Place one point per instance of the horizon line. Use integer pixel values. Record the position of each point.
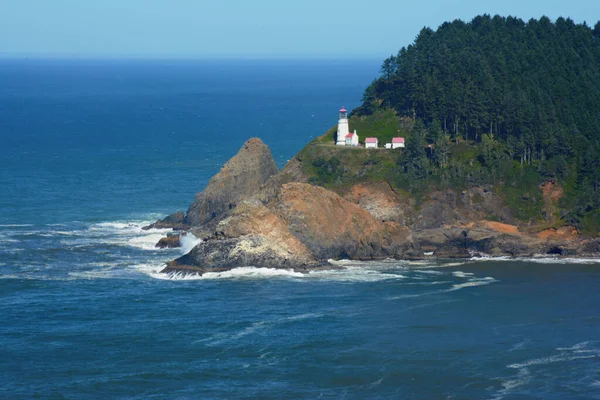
(109, 57)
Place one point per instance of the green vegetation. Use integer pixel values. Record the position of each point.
(382, 124)
(495, 101)
(331, 166)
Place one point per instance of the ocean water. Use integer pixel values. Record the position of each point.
(93, 150)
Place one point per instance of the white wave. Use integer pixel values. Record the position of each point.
(578, 346)
(145, 242)
(302, 316)
(188, 242)
(460, 274)
(13, 250)
(223, 337)
(387, 263)
(153, 270)
(36, 233)
(490, 258)
(429, 272)
(550, 360)
(67, 233)
(253, 272)
(117, 225)
(353, 274)
(14, 225)
(342, 275)
(523, 377)
(124, 227)
(101, 274)
(422, 263)
(13, 276)
(454, 264)
(473, 283)
(432, 283)
(518, 346)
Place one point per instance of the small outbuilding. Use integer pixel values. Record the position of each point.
(371, 143)
(397, 142)
(352, 139)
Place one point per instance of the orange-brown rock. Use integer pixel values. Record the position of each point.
(502, 228)
(564, 232)
(253, 218)
(330, 226)
(380, 200)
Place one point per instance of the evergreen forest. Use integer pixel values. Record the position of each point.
(498, 101)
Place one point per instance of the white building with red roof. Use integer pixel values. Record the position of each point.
(352, 139)
(371, 143)
(397, 142)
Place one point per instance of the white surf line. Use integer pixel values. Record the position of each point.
(524, 375)
(455, 287)
(222, 337)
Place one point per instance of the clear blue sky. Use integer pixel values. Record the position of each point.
(245, 28)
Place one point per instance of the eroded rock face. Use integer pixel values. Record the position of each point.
(380, 201)
(465, 242)
(239, 179)
(226, 254)
(251, 235)
(329, 226)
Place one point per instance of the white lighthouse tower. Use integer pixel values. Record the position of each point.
(342, 130)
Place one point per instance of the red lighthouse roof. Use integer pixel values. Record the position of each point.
(343, 109)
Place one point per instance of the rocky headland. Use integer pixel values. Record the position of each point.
(251, 214)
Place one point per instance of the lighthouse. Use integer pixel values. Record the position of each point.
(342, 130)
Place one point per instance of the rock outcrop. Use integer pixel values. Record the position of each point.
(251, 215)
(252, 235)
(175, 221)
(328, 225)
(169, 242)
(239, 179)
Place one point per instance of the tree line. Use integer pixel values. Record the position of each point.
(527, 94)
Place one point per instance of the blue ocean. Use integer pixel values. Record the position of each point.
(93, 150)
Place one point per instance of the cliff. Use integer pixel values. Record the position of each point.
(252, 215)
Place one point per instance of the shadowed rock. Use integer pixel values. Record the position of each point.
(174, 221)
(169, 242)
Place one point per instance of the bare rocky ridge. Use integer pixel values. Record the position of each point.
(239, 179)
(251, 215)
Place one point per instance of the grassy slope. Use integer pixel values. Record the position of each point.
(337, 167)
